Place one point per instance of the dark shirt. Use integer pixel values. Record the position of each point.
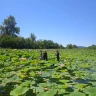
(45, 55)
(57, 55)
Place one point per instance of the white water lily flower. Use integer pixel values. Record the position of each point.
(23, 58)
(62, 65)
(40, 73)
(15, 49)
(46, 89)
(65, 60)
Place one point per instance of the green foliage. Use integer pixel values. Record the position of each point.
(92, 47)
(90, 90)
(22, 73)
(77, 94)
(33, 37)
(9, 27)
(70, 46)
(19, 91)
(7, 41)
(48, 44)
(9, 38)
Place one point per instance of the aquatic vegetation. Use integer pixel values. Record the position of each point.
(22, 73)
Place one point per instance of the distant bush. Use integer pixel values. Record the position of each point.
(92, 47)
(70, 46)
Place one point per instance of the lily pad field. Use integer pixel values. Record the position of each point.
(22, 73)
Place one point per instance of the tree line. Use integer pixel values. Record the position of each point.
(7, 41)
(92, 47)
(9, 38)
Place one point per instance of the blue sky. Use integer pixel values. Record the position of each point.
(63, 21)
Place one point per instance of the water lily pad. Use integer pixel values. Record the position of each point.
(51, 92)
(77, 94)
(19, 90)
(90, 90)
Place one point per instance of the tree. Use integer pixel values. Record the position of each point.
(33, 37)
(92, 47)
(74, 46)
(69, 46)
(39, 44)
(9, 27)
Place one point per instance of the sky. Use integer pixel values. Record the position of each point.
(62, 21)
